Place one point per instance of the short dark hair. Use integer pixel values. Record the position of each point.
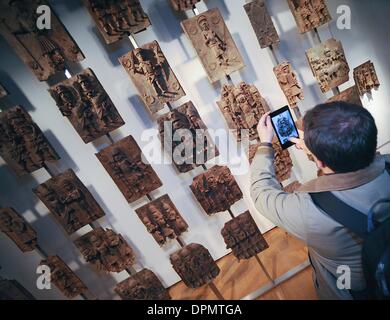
(341, 135)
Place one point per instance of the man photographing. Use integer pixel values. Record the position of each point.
(342, 140)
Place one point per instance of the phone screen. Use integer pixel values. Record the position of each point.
(284, 126)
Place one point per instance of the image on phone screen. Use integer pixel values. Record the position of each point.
(284, 126)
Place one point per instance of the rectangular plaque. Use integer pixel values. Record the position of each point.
(106, 250)
(18, 229)
(214, 44)
(288, 82)
(366, 78)
(69, 201)
(162, 219)
(22, 144)
(309, 14)
(262, 23)
(350, 95)
(216, 190)
(187, 118)
(242, 107)
(63, 277)
(83, 100)
(328, 64)
(126, 165)
(44, 51)
(152, 75)
(117, 19)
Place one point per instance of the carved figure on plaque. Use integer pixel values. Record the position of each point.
(365, 78)
(155, 80)
(44, 51)
(262, 23)
(69, 201)
(282, 160)
(289, 83)
(106, 250)
(350, 95)
(144, 285)
(117, 19)
(22, 143)
(13, 290)
(328, 64)
(214, 44)
(126, 165)
(242, 235)
(18, 229)
(309, 14)
(162, 219)
(242, 107)
(194, 264)
(83, 100)
(63, 277)
(183, 5)
(216, 189)
(186, 117)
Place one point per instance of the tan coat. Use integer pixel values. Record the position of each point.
(330, 244)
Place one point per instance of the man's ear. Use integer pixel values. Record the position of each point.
(320, 164)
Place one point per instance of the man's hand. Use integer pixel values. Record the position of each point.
(264, 129)
(300, 143)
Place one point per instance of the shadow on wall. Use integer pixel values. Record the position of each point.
(65, 161)
(15, 94)
(248, 73)
(220, 4)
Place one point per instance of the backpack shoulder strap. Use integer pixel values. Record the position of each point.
(341, 212)
(344, 214)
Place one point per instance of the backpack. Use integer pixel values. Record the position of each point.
(376, 240)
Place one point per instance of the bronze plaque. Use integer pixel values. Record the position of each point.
(83, 100)
(366, 78)
(162, 219)
(152, 75)
(309, 14)
(183, 5)
(143, 285)
(197, 148)
(328, 64)
(288, 82)
(45, 51)
(106, 250)
(22, 143)
(117, 19)
(18, 229)
(242, 235)
(350, 95)
(195, 266)
(69, 201)
(216, 190)
(63, 277)
(262, 23)
(214, 44)
(242, 107)
(126, 165)
(282, 160)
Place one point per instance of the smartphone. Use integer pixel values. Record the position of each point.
(284, 126)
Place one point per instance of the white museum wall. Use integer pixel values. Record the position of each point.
(366, 40)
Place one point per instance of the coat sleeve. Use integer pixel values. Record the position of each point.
(283, 209)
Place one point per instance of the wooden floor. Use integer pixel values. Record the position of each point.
(237, 279)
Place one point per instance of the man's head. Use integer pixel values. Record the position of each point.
(341, 136)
